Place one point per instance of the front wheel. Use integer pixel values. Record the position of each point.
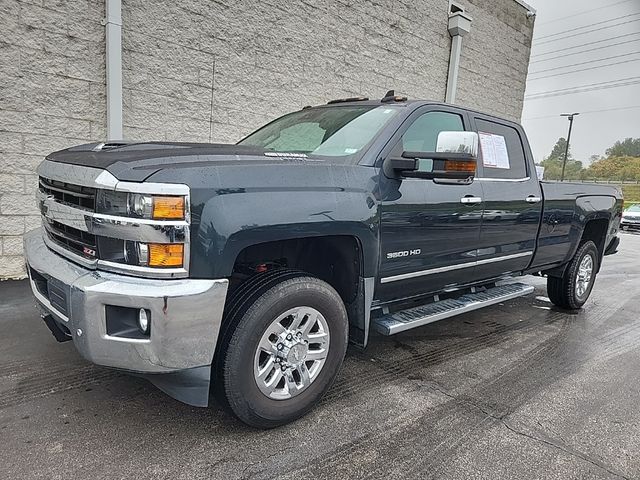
(572, 290)
(285, 346)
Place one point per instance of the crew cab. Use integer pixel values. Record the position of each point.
(243, 271)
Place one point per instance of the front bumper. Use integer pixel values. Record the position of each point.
(185, 313)
(630, 222)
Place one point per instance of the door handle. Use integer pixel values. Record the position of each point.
(533, 199)
(470, 199)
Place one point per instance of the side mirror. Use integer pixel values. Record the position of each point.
(455, 158)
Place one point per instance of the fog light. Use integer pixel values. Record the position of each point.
(143, 321)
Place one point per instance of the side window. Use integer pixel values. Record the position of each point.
(501, 154)
(422, 135)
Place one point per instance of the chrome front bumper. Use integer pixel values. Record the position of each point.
(185, 313)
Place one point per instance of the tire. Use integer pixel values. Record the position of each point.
(276, 302)
(572, 290)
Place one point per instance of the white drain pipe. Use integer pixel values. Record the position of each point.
(459, 26)
(113, 31)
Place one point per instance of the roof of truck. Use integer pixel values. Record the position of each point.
(409, 103)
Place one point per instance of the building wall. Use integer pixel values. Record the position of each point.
(213, 70)
(495, 57)
(52, 95)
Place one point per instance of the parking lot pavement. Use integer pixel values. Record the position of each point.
(519, 390)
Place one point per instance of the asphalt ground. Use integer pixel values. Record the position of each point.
(518, 390)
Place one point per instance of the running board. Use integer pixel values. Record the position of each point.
(417, 316)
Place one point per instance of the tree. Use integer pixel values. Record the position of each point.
(559, 148)
(553, 163)
(629, 147)
(615, 168)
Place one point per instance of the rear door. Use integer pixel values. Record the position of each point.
(512, 198)
(429, 231)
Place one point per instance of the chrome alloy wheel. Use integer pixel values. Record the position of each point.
(583, 278)
(291, 353)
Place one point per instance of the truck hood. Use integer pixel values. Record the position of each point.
(136, 162)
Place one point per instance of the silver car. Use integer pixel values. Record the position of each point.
(631, 217)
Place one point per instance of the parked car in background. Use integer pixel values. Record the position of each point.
(631, 217)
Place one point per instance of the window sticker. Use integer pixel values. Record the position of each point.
(494, 151)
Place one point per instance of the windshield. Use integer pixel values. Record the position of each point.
(633, 208)
(329, 131)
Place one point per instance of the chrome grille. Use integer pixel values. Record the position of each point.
(77, 224)
(69, 194)
(76, 196)
(79, 242)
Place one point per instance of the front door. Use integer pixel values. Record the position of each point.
(429, 231)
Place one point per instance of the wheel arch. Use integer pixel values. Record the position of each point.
(344, 261)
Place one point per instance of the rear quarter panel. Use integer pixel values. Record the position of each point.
(567, 209)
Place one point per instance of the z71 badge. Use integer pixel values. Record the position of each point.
(404, 253)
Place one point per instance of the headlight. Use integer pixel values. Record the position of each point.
(162, 255)
(155, 228)
(136, 205)
(156, 207)
(140, 205)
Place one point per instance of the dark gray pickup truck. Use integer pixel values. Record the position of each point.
(243, 271)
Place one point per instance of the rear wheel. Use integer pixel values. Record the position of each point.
(284, 345)
(572, 290)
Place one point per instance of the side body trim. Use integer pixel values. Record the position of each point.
(448, 268)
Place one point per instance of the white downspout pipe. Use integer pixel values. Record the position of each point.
(459, 26)
(113, 31)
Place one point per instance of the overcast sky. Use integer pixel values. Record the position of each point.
(564, 31)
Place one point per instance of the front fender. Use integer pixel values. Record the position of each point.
(230, 220)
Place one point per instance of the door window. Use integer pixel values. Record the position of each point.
(501, 154)
(422, 135)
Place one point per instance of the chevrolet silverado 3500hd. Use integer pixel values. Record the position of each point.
(244, 270)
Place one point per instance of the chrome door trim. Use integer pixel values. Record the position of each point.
(486, 179)
(506, 257)
(448, 268)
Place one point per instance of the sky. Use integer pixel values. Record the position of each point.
(592, 46)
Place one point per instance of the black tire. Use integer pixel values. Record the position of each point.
(562, 291)
(251, 310)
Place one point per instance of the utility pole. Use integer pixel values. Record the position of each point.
(566, 149)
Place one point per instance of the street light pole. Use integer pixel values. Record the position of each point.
(566, 149)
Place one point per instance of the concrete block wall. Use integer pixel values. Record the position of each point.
(495, 58)
(218, 71)
(52, 96)
(214, 70)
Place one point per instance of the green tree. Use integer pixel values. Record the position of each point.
(629, 147)
(558, 150)
(553, 163)
(615, 168)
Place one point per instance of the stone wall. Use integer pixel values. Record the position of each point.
(200, 70)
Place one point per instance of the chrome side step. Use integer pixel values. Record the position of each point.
(418, 316)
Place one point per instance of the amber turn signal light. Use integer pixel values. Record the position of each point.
(459, 166)
(168, 208)
(166, 254)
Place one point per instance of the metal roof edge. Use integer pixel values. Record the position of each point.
(526, 5)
